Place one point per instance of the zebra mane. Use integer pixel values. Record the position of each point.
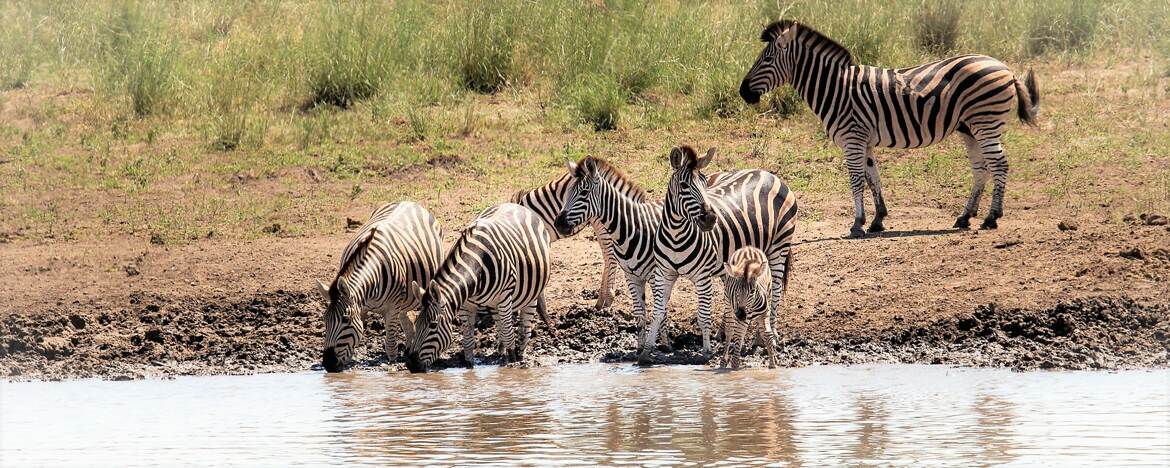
(347, 263)
(618, 178)
(811, 36)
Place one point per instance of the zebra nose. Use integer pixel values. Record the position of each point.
(562, 225)
(413, 364)
(707, 222)
(749, 96)
(330, 361)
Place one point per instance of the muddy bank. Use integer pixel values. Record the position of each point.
(153, 336)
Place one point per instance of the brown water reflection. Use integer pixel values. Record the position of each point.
(598, 414)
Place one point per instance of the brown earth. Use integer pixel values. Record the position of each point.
(1029, 295)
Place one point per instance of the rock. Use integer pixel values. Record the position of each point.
(154, 335)
(1154, 220)
(77, 321)
(351, 224)
(131, 270)
(1067, 225)
(53, 347)
(1134, 253)
(273, 229)
(156, 239)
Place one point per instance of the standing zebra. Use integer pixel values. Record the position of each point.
(549, 199)
(602, 195)
(399, 245)
(501, 263)
(863, 106)
(747, 285)
(701, 226)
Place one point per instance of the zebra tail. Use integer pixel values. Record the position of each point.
(543, 311)
(1028, 94)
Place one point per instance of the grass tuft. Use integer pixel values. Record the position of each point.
(1062, 26)
(140, 61)
(486, 49)
(349, 58)
(599, 100)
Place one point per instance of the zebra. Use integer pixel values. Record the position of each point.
(862, 107)
(602, 195)
(501, 263)
(549, 199)
(747, 287)
(399, 245)
(702, 225)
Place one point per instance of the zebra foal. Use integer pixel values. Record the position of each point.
(500, 263)
(399, 245)
(862, 107)
(747, 287)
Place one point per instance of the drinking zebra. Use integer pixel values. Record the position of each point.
(747, 286)
(400, 244)
(702, 225)
(862, 107)
(600, 194)
(549, 199)
(501, 263)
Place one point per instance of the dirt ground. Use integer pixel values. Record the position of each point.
(1029, 296)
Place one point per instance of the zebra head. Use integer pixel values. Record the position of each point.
(746, 288)
(579, 207)
(432, 327)
(344, 329)
(774, 66)
(686, 194)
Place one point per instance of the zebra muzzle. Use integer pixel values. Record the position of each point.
(562, 225)
(749, 96)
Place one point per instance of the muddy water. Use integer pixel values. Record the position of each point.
(611, 414)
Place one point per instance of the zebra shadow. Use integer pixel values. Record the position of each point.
(886, 235)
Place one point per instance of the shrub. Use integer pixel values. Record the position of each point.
(720, 96)
(937, 28)
(139, 61)
(486, 49)
(1062, 26)
(350, 55)
(599, 100)
(784, 102)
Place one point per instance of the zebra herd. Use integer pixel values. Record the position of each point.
(735, 226)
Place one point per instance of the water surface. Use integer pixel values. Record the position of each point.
(609, 414)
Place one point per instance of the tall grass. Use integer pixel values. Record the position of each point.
(349, 55)
(485, 47)
(1062, 26)
(937, 31)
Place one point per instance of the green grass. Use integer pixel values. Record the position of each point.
(236, 115)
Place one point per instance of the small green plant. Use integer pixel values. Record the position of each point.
(784, 102)
(599, 100)
(937, 26)
(420, 123)
(720, 97)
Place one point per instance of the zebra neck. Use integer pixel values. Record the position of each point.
(369, 280)
(819, 80)
(456, 279)
(621, 214)
(676, 228)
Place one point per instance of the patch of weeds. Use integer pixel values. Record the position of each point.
(419, 122)
(350, 55)
(140, 60)
(784, 103)
(937, 26)
(486, 48)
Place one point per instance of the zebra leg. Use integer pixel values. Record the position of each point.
(741, 337)
(505, 318)
(771, 340)
(875, 185)
(390, 318)
(637, 288)
(705, 290)
(979, 175)
(855, 163)
(997, 163)
(663, 284)
(527, 319)
(609, 265)
(468, 320)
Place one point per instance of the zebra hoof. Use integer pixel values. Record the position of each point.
(877, 226)
(603, 302)
(962, 222)
(989, 223)
(856, 232)
(645, 358)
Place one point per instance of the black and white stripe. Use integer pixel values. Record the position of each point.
(549, 199)
(701, 226)
(500, 263)
(747, 287)
(862, 107)
(400, 244)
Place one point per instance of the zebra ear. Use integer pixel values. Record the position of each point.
(787, 35)
(727, 270)
(678, 158)
(324, 290)
(571, 167)
(414, 292)
(590, 166)
(706, 159)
